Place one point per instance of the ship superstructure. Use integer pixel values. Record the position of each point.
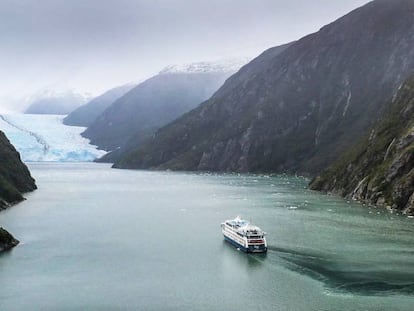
(243, 235)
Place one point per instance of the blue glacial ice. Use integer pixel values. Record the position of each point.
(46, 138)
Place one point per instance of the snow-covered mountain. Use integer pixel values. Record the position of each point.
(46, 138)
(224, 65)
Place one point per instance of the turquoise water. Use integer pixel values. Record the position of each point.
(95, 238)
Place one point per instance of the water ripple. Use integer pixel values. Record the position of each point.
(342, 276)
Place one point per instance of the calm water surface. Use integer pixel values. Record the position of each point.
(94, 238)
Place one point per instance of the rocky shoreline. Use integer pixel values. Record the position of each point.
(380, 169)
(15, 179)
(7, 241)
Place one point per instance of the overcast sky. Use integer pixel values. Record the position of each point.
(93, 45)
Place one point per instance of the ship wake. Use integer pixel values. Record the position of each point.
(340, 275)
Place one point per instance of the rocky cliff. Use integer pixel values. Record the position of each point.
(380, 169)
(15, 179)
(299, 109)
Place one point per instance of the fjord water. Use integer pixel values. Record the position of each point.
(95, 238)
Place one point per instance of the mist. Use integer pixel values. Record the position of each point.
(90, 46)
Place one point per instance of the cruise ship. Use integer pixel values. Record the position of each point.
(244, 236)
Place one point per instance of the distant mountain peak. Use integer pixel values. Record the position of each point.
(224, 65)
(50, 101)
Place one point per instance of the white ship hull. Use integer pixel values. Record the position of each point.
(243, 236)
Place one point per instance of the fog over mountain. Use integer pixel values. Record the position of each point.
(56, 103)
(93, 46)
(86, 114)
(156, 102)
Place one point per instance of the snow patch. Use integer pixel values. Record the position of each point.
(225, 65)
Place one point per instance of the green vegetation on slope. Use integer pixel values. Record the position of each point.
(380, 168)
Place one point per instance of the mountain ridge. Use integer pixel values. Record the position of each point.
(153, 103)
(87, 113)
(301, 109)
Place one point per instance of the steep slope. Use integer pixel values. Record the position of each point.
(380, 169)
(15, 178)
(152, 104)
(51, 102)
(86, 114)
(297, 110)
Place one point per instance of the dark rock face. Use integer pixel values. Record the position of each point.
(150, 105)
(7, 241)
(297, 109)
(15, 178)
(86, 114)
(380, 169)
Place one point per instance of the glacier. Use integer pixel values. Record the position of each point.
(44, 138)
